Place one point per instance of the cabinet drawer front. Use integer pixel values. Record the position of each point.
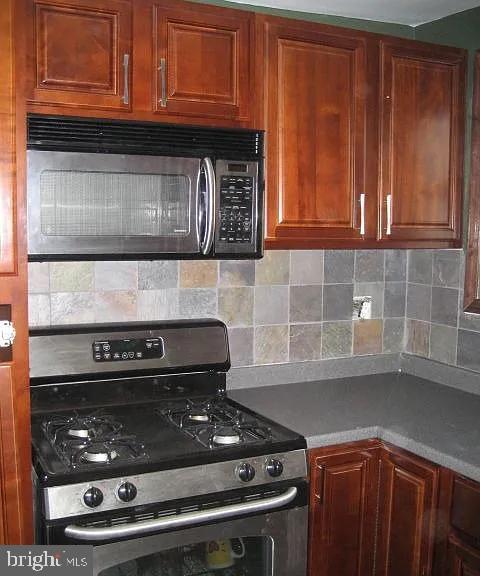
(466, 507)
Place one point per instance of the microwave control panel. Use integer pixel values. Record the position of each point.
(237, 206)
(127, 349)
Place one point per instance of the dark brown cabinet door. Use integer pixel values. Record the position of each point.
(15, 441)
(316, 98)
(422, 106)
(343, 505)
(81, 53)
(203, 60)
(408, 499)
(463, 559)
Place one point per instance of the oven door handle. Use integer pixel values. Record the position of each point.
(180, 520)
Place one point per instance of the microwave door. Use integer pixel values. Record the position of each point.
(109, 205)
(206, 206)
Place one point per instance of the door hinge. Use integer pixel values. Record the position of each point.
(7, 334)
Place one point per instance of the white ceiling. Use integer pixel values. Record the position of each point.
(411, 12)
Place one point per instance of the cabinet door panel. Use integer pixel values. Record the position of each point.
(15, 438)
(79, 53)
(463, 559)
(343, 508)
(316, 115)
(408, 498)
(422, 142)
(202, 62)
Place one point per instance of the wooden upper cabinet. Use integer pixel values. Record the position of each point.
(422, 113)
(81, 53)
(316, 115)
(408, 499)
(202, 61)
(343, 505)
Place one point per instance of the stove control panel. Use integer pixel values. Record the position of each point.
(127, 349)
(173, 484)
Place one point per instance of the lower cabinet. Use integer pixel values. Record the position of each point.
(406, 519)
(372, 511)
(343, 509)
(463, 560)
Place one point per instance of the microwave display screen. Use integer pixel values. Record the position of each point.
(237, 167)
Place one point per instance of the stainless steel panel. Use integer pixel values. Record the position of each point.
(175, 521)
(131, 167)
(71, 354)
(165, 485)
(286, 532)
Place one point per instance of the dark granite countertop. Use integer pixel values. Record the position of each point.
(431, 420)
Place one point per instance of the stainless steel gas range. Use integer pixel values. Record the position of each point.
(138, 450)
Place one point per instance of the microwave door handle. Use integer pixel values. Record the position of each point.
(206, 244)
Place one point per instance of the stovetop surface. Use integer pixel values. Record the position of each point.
(96, 417)
(92, 443)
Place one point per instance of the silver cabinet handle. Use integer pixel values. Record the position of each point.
(210, 216)
(362, 214)
(163, 82)
(126, 78)
(186, 519)
(389, 214)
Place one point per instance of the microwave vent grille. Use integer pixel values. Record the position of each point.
(68, 133)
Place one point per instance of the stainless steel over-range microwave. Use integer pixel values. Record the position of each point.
(102, 189)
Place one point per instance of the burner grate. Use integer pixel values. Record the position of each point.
(91, 440)
(215, 424)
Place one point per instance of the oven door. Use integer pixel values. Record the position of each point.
(273, 544)
(106, 205)
(250, 533)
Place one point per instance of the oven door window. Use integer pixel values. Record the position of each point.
(250, 556)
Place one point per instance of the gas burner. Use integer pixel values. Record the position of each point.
(91, 439)
(75, 427)
(215, 424)
(226, 436)
(80, 432)
(98, 454)
(198, 416)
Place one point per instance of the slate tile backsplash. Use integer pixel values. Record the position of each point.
(288, 307)
(441, 331)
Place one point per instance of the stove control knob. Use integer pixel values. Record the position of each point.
(127, 492)
(274, 468)
(246, 472)
(93, 497)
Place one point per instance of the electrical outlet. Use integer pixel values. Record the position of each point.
(362, 307)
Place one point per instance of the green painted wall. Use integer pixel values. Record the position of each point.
(462, 30)
(370, 25)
